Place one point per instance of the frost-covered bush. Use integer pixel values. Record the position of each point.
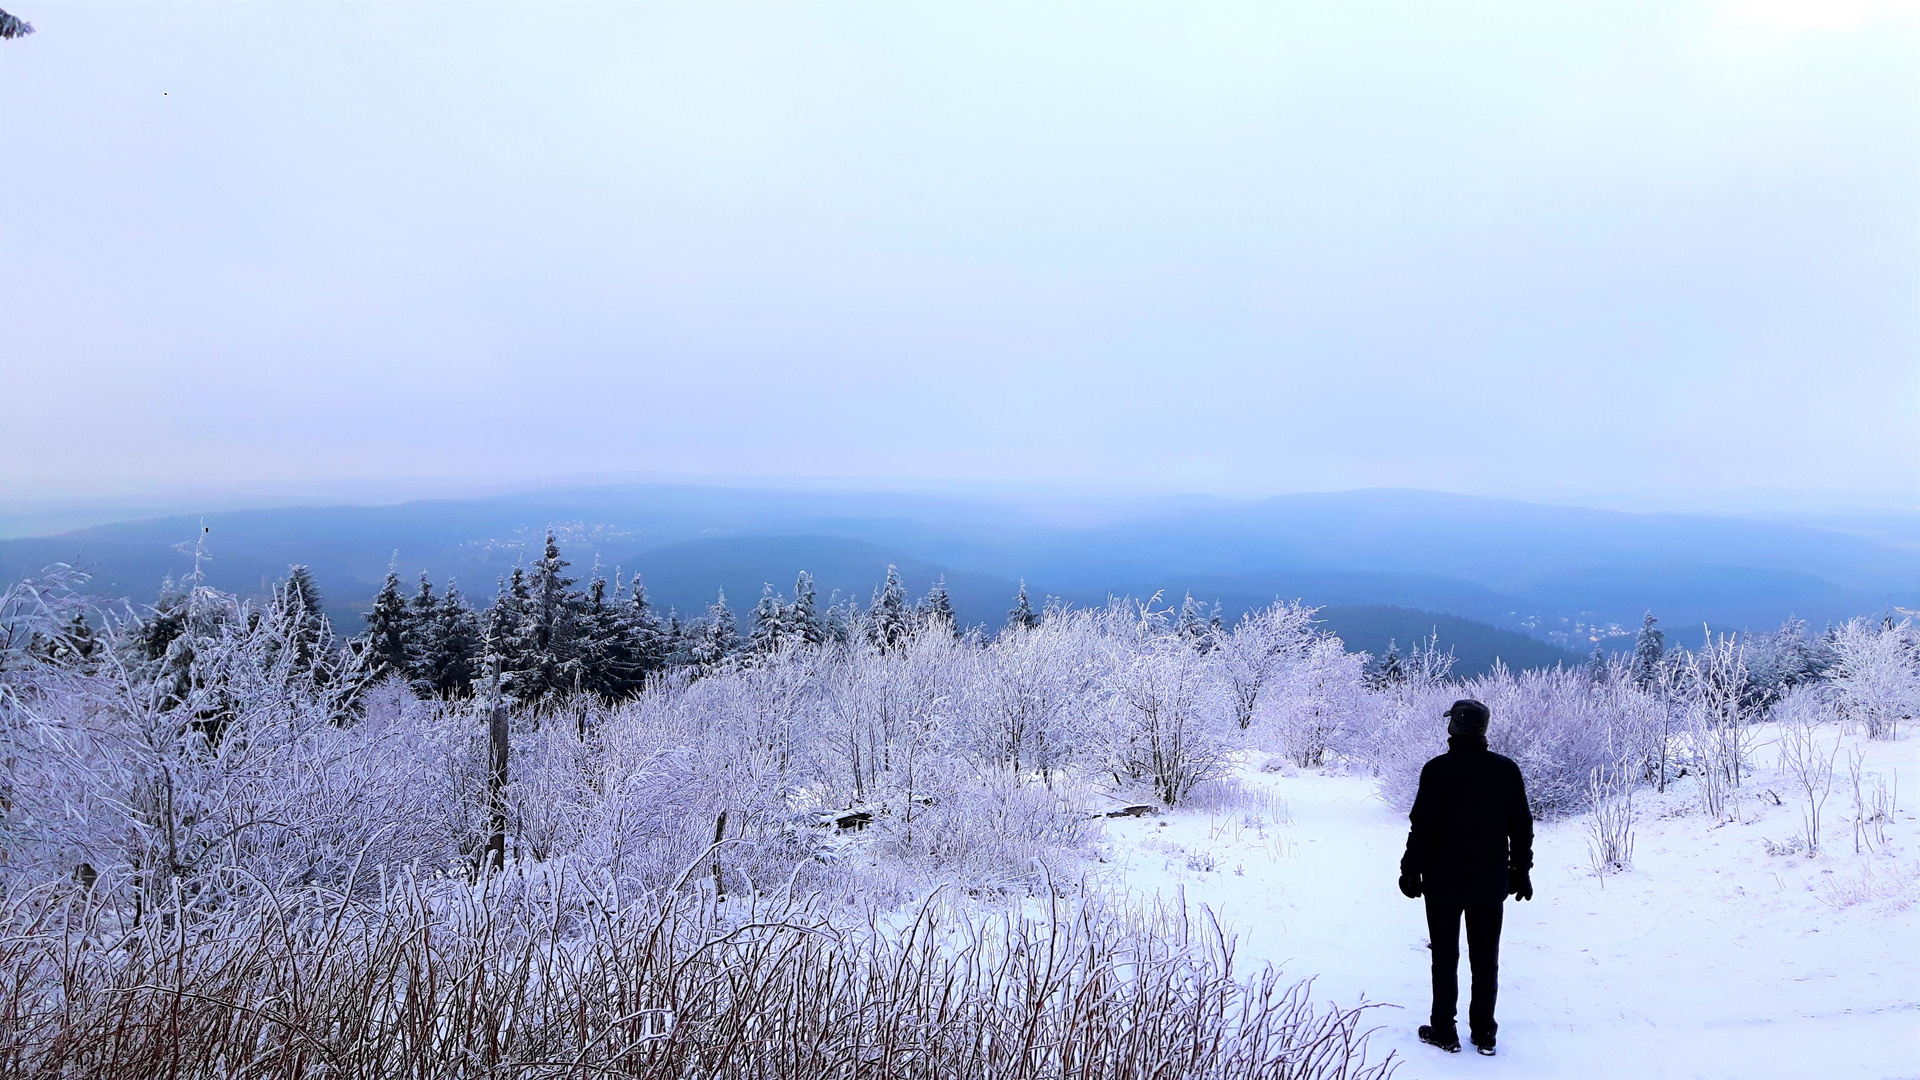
(1169, 720)
(1265, 643)
(1312, 703)
(1876, 674)
(1559, 726)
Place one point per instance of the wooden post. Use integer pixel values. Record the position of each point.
(497, 773)
(719, 831)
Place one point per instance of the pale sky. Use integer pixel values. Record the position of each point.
(1635, 253)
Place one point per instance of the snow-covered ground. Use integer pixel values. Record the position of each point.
(1710, 958)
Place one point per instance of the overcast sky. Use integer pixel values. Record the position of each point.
(1636, 254)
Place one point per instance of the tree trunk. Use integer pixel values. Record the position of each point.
(496, 854)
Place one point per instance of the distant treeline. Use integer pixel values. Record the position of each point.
(547, 637)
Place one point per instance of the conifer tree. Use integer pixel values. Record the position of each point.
(387, 625)
(718, 637)
(1192, 626)
(607, 667)
(1021, 615)
(1648, 650)
(646, 638)
(770, 629)
(841, 623)
(450, 656)
(887, 620)
(934, 612)
(676, 642)
(804, 615)
(164, 621)
(507, 639)
(1389, 670)
(553, 663)
(422, 625)
(77, 645)
(299, 622)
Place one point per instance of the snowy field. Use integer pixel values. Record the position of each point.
(1710, 958)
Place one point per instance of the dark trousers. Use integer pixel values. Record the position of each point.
(1483, 955)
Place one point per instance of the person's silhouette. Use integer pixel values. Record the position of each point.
(1470, 845)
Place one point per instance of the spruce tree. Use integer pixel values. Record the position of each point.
(718, 636)
(1389, 671)
(676, 642)
(887, 619)
(602, 642)
(507, 640)
(804, 616)
(300, 623)
(934, 612)
(646, 638)
(78, 644)
(450, 648)
(1021, 615)
(769, 623)
(1648, 651)
(422, 625)
(553, 663)
(387, 623)
(1192, 625)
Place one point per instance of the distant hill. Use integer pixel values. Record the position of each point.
(1475, 645)
(1552, 572)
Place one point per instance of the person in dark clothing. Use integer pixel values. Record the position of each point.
(1469, 847)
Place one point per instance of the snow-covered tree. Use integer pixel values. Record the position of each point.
(804, 614)
(297, 624)
(888, 621)
(1261, 644)
(1389, 671)
(450, 649)
(717, 637)
(13, 27)
(770, 630)
(1022, 616)
(1649, 649)
(934, 612)
(387, 630)
(1876, 674)
(1313, 702)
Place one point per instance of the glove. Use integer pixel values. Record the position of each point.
(1519, 884)
(1410, 886)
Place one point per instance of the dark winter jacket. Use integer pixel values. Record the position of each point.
(1471, 824)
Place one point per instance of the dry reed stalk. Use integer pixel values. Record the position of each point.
(431, 984)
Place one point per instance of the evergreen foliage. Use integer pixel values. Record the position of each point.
(889, 624)
(1649, 649)
(1022, 615)
(386, 636)
(935, 613)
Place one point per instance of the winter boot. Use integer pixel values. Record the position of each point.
(1447, 1039)
(1484, 1044)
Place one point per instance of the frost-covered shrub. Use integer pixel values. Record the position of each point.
(1876, 674)
(993, 829)
(1169, 722)
(1263, 644)
(1312, 703)
(1559, 726)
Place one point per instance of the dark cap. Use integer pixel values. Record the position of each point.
(1467, 717)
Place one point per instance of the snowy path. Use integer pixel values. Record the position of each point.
(1709, 959)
